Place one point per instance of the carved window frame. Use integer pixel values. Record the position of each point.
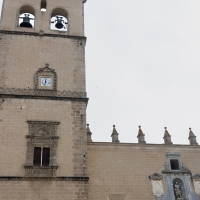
(46, 72)
(174, 156)
(41, 134)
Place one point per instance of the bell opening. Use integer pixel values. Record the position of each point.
(26, 20)
(59, 22)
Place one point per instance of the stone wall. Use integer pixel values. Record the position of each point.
(22, 55)
(43, 190)
(120, 171)
(71, 147)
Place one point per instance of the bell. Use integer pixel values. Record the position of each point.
(59, 23)
(26, 21)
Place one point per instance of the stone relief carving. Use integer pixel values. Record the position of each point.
(40, 128)
(197, 186)
(157, 187)
(46, 71)
(41, 133)
(38, 92)
(196, 181)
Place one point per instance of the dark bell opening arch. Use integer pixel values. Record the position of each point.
(59, 11)
(59, 19)
(26, 16)
(27, 9)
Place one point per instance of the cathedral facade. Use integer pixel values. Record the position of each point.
(46, 147)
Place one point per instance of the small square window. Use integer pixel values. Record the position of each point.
(41, 156)
(174, 164)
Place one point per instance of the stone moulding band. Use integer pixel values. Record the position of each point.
(45, 34)
(60, 178)
(41, 93)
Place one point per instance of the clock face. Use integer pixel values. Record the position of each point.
(46, 82)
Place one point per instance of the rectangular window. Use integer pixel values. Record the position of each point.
(37, 156)
(174, 165)
(41, 156)
(45, 156)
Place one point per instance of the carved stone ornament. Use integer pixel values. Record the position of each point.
(196, 181)
(41, 134)
(45, 72)
(42, 128)
(172, 154)
(157, 185)
(42, 93)
(155, 176)
(157, 188)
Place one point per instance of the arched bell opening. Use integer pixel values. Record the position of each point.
(43, 6)
(26, 16)
(59, 19)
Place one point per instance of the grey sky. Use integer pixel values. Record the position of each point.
(143, 68)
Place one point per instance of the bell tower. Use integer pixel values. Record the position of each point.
(43, 100)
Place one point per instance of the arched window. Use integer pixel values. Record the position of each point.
(59, 19)
(43, 6)
(26, 16)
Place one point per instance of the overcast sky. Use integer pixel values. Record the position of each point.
(143, 68)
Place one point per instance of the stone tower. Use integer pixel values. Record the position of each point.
(43, 100)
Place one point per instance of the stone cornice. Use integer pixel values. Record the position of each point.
(155, 176)
(43, 35)
(60, 178)
(183, 170)
(42, 94)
